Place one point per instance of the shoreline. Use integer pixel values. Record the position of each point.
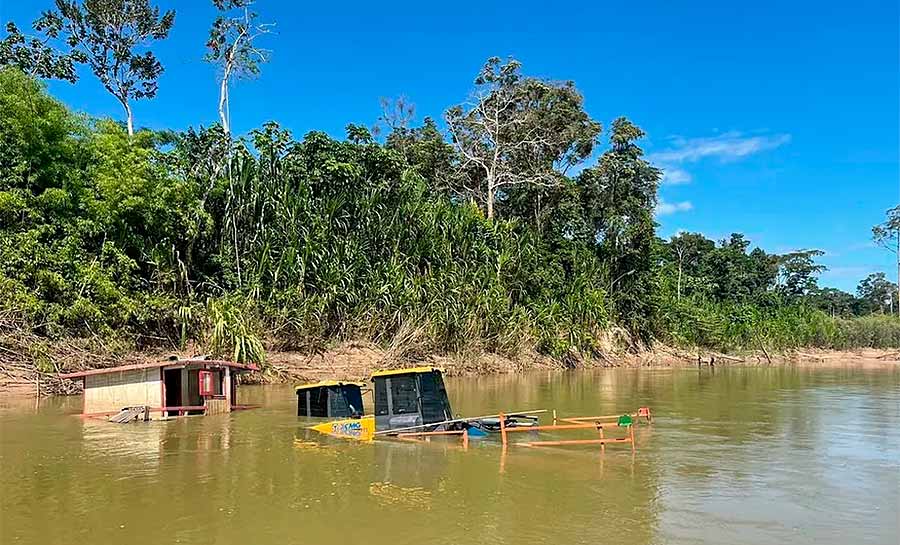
(357, 361)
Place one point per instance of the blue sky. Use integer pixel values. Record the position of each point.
(775, 119)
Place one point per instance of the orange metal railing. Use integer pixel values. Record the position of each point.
(600, 424)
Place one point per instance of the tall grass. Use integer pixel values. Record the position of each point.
(232, 333)
(333, 240)
(739, 327)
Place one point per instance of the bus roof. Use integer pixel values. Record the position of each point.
(327, 383)
(407, 371)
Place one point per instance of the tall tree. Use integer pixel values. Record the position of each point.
(619, 195)
(36, 56)
(518, 131)
(798, 271)
(689, 250)
(877, 292)
(723, 273)
(113, 37)
(231, 46)
(887, 235)
(426, 152)
(834, 301)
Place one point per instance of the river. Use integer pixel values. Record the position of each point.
(734, 455)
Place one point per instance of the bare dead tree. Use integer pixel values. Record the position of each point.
(887, 235)
(396, 116)
(231, 46)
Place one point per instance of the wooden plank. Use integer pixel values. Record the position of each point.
(216, 405)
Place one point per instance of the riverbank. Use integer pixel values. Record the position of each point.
(24, 373)
(355, 361)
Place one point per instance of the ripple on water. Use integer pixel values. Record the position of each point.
(751, 456)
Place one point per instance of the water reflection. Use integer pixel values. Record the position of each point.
(738, 455)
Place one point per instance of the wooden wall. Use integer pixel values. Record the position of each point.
(114, 391)
(217, 405)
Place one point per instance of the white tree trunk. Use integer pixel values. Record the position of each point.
(129, 117)
(679, 279)
(223, 102)
(490, 200)
(226, 75)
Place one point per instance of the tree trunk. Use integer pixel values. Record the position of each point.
(679, 280)
(490, 200)
(129, 117)
(223, 100)
(680, 250)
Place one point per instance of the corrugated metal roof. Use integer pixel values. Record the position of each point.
(158, 364)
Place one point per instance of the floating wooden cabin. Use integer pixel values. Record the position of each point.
(162, 389)
(330, 399)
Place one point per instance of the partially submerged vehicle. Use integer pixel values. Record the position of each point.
(416, 399)
(404, 399)
(336, 399)
(412, 404)
(330, 399)
(410, 398)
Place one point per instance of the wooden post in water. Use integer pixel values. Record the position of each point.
(503, 429)
(226, 390)
(602, 445)
(631, 434)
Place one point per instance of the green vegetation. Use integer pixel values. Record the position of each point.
(480, 240)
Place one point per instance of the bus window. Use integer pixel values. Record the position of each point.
(404, 397)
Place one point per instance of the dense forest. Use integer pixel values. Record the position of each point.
(514, 223)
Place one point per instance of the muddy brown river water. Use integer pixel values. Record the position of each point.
(736, 456)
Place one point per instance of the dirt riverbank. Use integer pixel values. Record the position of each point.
(21, 373)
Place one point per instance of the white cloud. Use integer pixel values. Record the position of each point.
(676, 176)
(729, 146)
(726, 147)
(664, 208)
